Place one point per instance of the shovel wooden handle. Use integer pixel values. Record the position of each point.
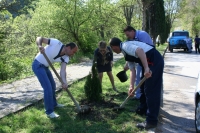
(69, 93)
(138, 86)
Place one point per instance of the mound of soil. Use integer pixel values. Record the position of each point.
(101, 110)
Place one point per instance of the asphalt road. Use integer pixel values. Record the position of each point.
(179, 83)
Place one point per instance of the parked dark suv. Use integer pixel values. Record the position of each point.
(176, 41)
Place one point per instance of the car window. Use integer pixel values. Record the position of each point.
(180, 34)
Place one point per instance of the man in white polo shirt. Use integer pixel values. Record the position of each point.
(56, 51)
(152, 64)
(142, 36)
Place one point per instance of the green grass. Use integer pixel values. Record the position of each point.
(34, 120)
(100, 120)
(162, 48)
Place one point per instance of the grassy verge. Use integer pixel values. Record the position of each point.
(102, 119)
(162, 48)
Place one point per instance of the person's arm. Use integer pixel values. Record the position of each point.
(95, 56)
(140, 53)
(132, 80)
(39, 41)
(126, 66)
(63, 75)
(111, 53)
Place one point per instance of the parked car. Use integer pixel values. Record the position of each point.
(197, 105)
(176, 41)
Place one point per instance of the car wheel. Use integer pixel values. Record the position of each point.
(171, 50)
(197, 117)
(168, 47)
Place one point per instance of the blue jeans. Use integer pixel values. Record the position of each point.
(138, 78)
(48, 84)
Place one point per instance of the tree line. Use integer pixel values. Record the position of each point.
(80, 21)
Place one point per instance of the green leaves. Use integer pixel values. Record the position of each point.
(83, 22)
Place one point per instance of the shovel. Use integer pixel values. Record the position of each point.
(125, 101)
(83, 108)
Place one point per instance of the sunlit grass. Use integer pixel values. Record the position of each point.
(162, 48)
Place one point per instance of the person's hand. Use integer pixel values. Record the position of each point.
(41, 48)
(126, 67)
(147, 73)
(111, 63)
(65, 86)
(129, 91)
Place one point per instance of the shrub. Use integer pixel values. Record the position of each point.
(92, 87)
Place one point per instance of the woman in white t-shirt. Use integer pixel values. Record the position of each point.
(56, 52)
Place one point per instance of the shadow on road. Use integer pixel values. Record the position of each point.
(171, 123)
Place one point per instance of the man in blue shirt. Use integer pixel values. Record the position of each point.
(138, 35)
(142, 36)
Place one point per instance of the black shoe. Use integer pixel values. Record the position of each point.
(145, 125)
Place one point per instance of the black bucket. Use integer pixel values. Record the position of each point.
(122, 76)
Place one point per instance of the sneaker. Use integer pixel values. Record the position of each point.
(60, 105)
(53, 115)
(145, 125)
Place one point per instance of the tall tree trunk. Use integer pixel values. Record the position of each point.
(145, 5)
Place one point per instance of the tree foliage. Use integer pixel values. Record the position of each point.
(173, 9)
(83, 22)
(16, 49)
(4, 4)
(188, 17)
(196, 25)
(17, 7)
(195, 8)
